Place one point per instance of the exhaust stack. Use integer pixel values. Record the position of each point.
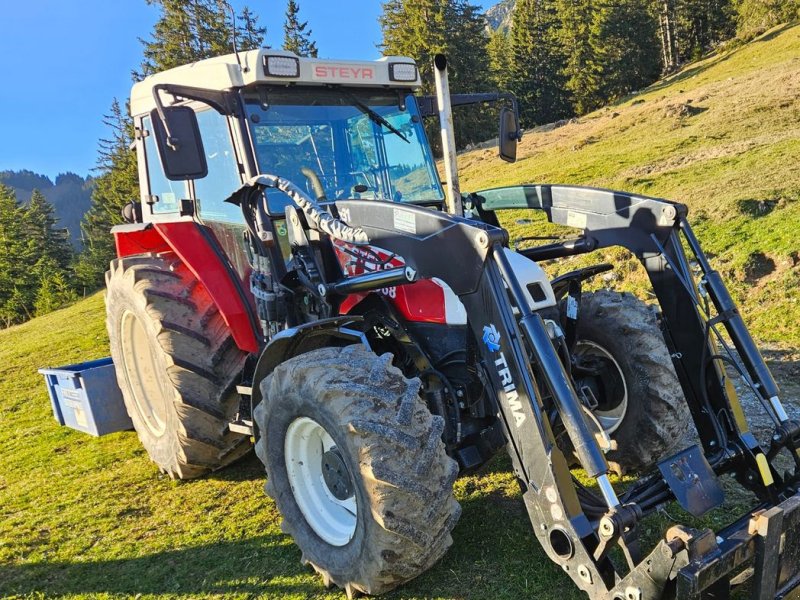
(448, 137)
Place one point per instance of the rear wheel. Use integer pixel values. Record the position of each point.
(640, 402)
(176, 364)
(357, 468)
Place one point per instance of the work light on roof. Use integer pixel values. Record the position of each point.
(402, 71)
(281, 66)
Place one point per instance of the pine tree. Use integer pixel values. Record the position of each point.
(249, 35)
(295, 37)
(46, 254)
(625, 43)
(499, 53)
(16, 278)
(538, 63)
(186, 31)
(421, 29)
(41, 232)
(116, 185)
(702, 25)
(582, 68)
(667, 31)
(53, 290)
(753, 17)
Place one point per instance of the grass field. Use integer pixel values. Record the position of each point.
(86, 517)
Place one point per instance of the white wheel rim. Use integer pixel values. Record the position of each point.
(332, 519)
(611, 419)
(142, 375)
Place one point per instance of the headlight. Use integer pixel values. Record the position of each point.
(402, 72)
(281, 66)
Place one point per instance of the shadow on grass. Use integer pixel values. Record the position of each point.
(262, 565)
(247, 468)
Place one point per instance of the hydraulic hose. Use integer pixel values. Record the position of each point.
(318, 217)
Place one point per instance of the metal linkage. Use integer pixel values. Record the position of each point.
(372, 281)
(761, 377)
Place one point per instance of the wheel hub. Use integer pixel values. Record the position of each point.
(336, 475)
(321, 482)
(604, 379)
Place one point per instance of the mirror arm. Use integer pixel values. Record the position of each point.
(427, 104)
(172, 142)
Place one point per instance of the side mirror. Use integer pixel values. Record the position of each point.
(180, 146)
(509, 134)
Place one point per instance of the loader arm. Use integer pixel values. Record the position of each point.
(692, 562)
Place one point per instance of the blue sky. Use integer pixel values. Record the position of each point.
(62, 62)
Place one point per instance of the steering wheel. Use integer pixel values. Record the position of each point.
(316, 184)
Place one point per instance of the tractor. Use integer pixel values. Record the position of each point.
(296, 279)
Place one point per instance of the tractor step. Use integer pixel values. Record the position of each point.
(244, 426)
(244, 421)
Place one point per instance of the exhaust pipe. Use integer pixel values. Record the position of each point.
(448, 137)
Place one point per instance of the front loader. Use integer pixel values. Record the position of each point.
(294, 273)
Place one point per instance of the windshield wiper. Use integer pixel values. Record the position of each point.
(376, 117)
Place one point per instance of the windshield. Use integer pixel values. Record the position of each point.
(361, 144)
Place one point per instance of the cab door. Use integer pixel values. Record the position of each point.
(224, 177)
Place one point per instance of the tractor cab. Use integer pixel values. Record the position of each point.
(354, 125)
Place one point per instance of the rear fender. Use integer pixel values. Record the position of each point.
(198, 249)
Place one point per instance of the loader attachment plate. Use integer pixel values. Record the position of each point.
(692, 480)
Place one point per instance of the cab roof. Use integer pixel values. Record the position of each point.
(266, 65)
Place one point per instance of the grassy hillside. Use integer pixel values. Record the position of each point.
(91, 517)
(723, 136)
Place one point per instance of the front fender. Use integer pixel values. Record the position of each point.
(299, 340)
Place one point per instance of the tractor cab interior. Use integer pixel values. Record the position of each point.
(361, 144)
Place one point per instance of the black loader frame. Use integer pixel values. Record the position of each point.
(520, 364)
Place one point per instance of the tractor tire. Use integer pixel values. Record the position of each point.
(369, 500)
(176, 363)
(650, 417)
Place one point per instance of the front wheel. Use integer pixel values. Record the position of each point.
(639, 400)
(357, 468)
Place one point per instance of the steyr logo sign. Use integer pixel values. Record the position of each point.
(344, 73)
(491, 337)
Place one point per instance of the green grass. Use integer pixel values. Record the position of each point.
(91, 517)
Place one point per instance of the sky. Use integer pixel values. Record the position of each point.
(62, 63)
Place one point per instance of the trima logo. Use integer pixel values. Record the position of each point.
(491, 337)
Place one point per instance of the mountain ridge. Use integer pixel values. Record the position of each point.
(70, 195)
(499, 16)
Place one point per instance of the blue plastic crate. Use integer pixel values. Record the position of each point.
(86, 397)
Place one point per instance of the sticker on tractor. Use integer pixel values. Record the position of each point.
(405, 221)
(491, 337)
(576, 219)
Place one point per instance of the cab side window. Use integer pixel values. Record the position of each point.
(169, 193)
(223, 170)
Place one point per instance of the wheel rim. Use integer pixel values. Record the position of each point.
(142, 375)
(611, 412)
(320, 481)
